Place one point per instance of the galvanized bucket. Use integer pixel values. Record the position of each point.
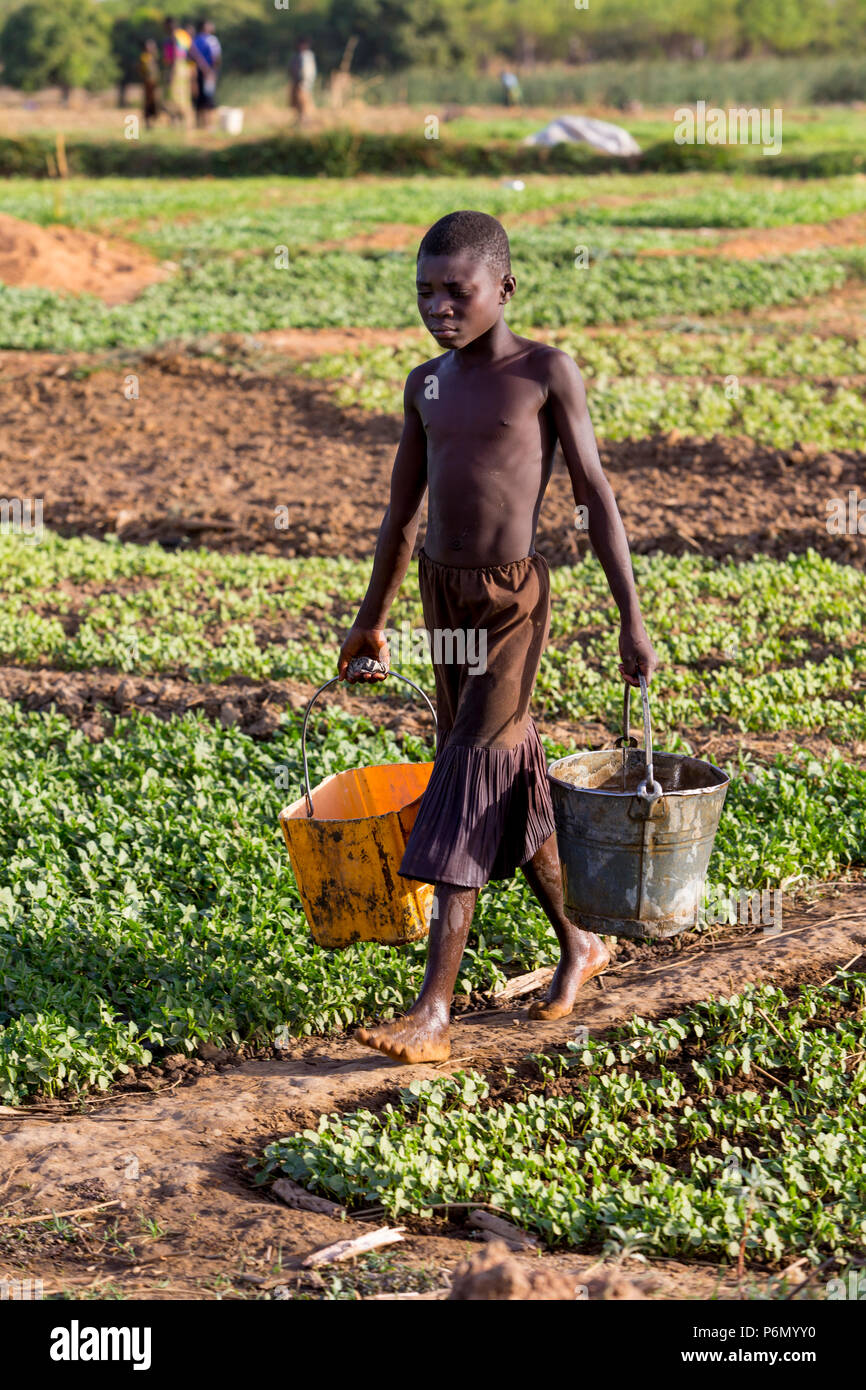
(635, 834)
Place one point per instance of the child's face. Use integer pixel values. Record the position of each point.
(460, 297)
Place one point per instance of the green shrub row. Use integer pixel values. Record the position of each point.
(344, 153)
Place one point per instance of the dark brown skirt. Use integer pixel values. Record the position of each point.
(487, 807)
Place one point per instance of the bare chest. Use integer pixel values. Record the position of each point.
(481, 409)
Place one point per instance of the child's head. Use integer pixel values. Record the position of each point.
(464, 276)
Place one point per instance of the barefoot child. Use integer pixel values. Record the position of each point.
(481, 423)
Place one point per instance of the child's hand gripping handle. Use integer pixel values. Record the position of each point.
(364, 656)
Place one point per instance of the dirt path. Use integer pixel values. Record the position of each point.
(279, 450)
(177, 1156)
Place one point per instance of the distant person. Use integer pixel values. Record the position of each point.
(303, 74)
(176, 64)
(207, 53)
(148, 65)
(511, 93)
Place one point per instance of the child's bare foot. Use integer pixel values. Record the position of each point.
(592, 958)
(418, 1037)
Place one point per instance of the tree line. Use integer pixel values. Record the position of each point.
(82, 43)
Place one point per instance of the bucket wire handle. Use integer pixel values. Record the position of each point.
(626, 741)
(648, 788)
(333, 681)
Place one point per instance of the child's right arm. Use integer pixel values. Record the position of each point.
(396, 541)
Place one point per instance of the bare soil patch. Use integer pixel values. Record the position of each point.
(213, 454)
(404, 236)
(93, 699)
(841, 313)
(760, 243)
(175, 1153)
(392, 236)
(309, 343)
(73, 262)
(751, 243)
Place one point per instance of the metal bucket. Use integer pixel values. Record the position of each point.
(346, 838)
(634, 850)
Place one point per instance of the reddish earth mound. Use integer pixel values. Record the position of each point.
(73, 262)
(212, 455)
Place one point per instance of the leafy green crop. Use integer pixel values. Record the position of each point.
(617, 364)
(250, 294)
(734, 1126)
(147, 901)
(631, 407)
(761, 646)
(168, 214)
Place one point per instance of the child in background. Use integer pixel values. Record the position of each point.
(149, 66)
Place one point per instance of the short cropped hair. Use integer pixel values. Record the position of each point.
(476, 232)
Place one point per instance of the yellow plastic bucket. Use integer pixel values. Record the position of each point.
(345, 840)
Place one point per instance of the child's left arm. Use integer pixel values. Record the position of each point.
(567, 400)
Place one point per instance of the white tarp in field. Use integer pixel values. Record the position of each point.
(612, 139)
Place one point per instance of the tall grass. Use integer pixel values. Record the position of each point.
(756, 82)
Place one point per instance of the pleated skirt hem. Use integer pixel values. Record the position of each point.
(485, 812)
